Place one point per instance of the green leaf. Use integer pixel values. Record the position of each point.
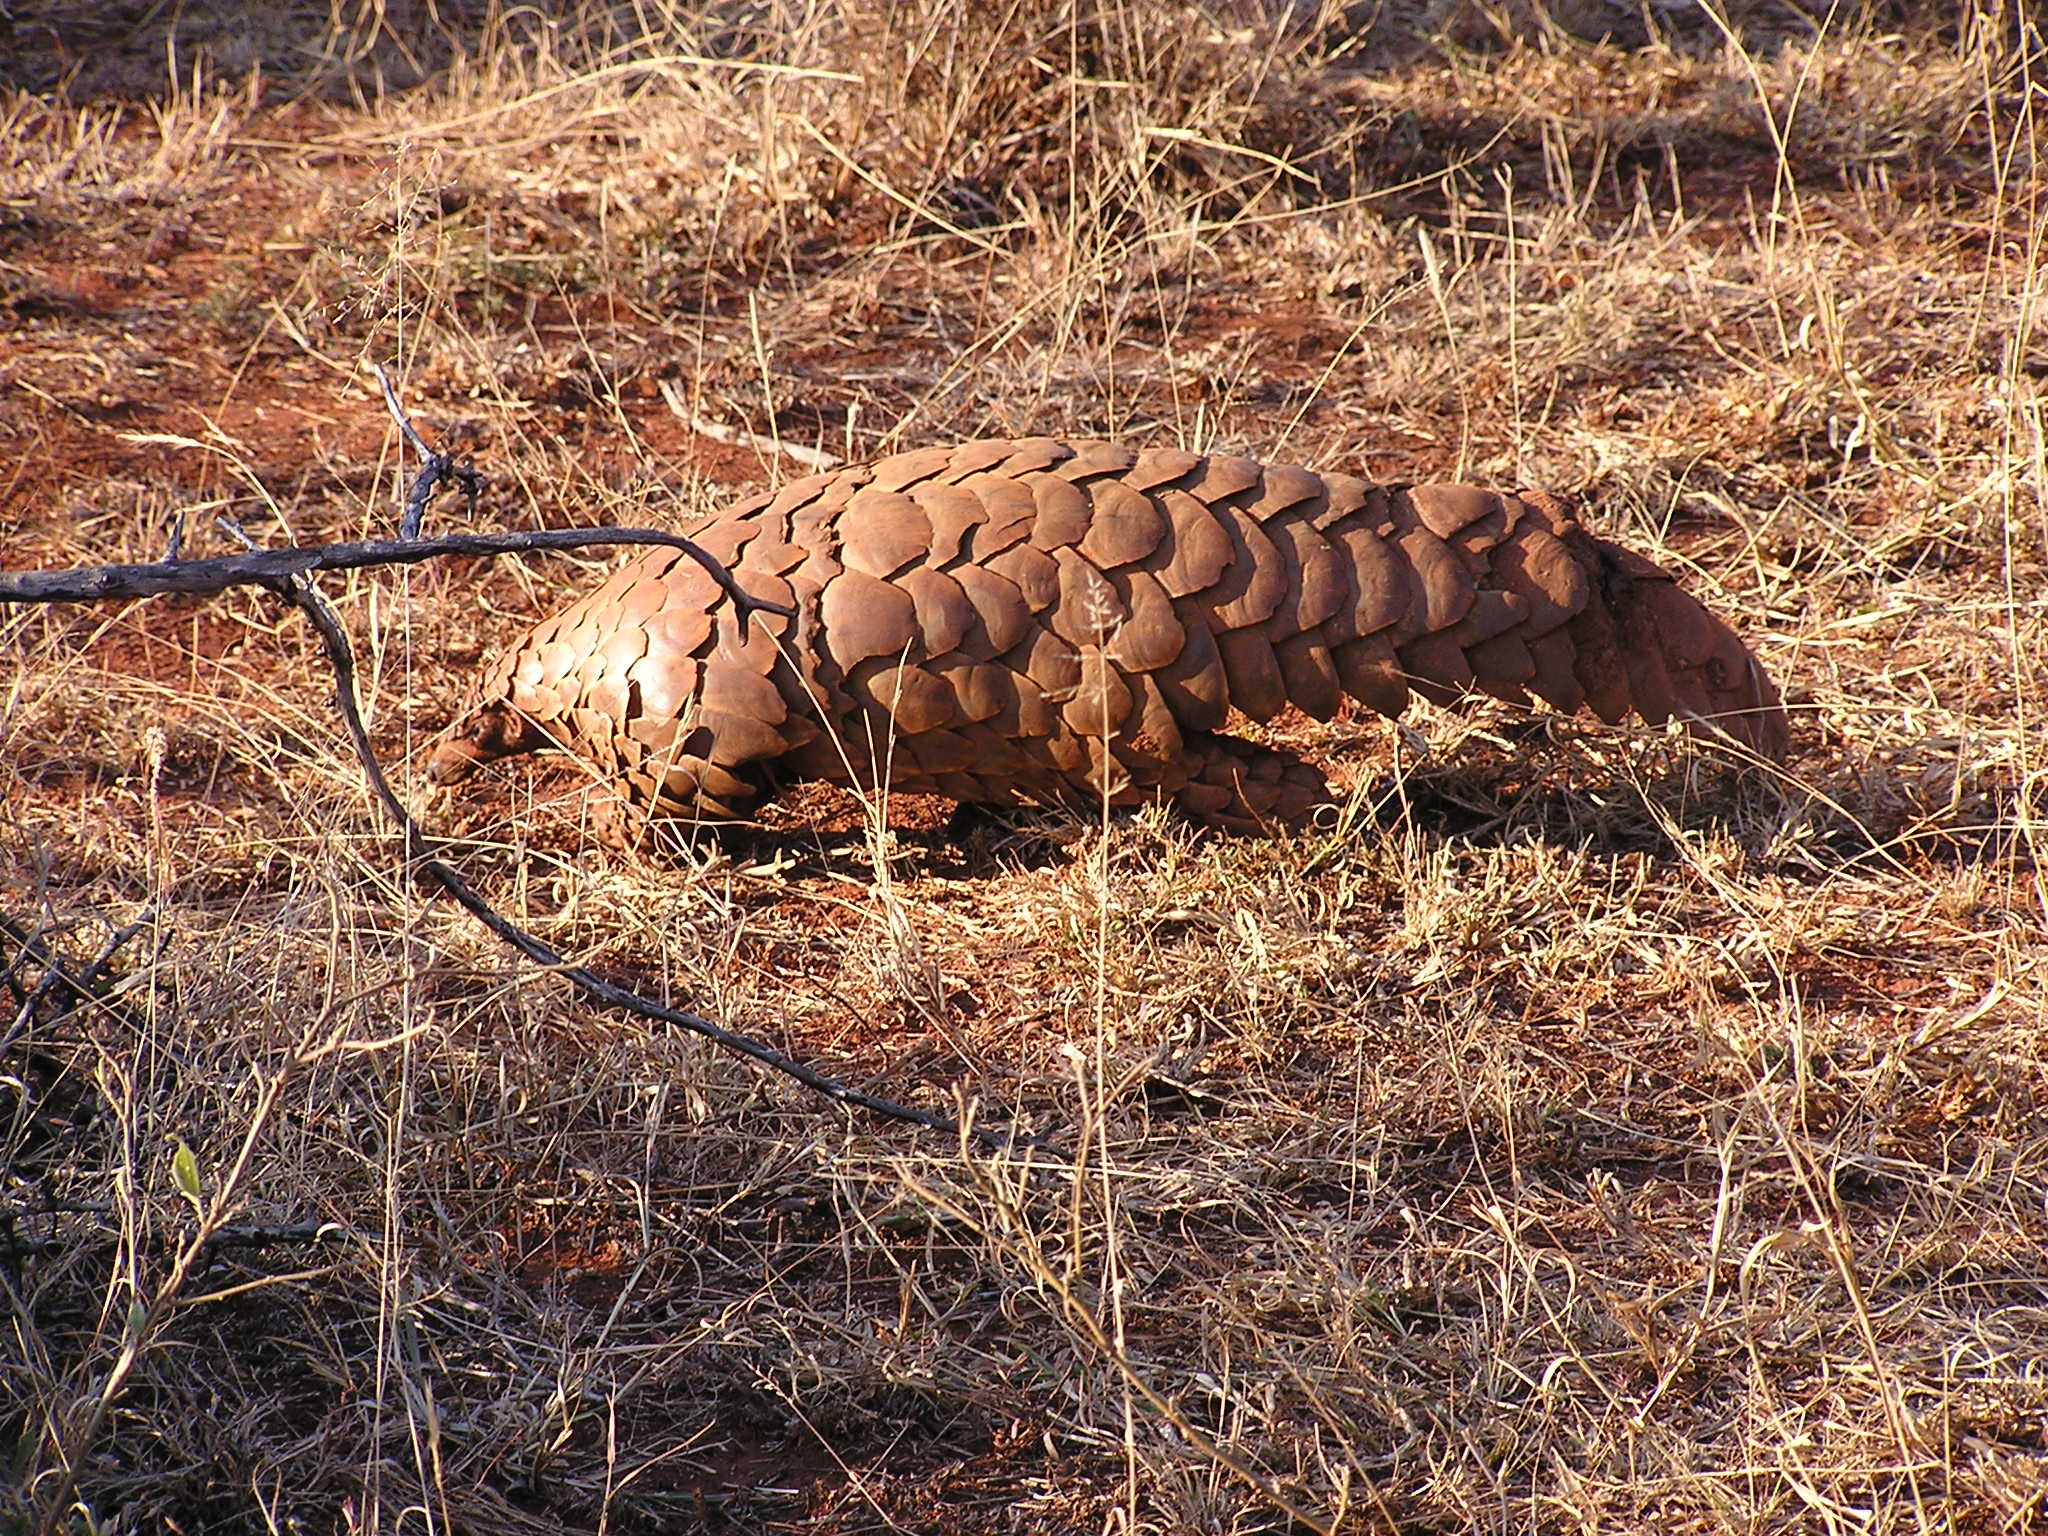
(185, 1169)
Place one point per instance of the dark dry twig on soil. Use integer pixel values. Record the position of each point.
(268, 567)
(341, 658)
(438, 467)
(31, 948)
(234, 1235)
(284, 572)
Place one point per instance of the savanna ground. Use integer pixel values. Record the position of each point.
(1574, 1135)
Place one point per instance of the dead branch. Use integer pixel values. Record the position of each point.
(103, 1233)
(420, 851)
(268, 567)
(84, 987)
(286, 572)
(435, 467)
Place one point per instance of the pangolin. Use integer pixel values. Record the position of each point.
(1062, 622)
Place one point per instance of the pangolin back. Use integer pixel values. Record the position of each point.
(1060, 622)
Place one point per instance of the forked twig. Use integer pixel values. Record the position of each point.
(419, 849)
(286, 572)
(236, 1234)
(83, 986)
(435, 468)
(266, 567)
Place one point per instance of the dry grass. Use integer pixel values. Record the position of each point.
(1571, 1140)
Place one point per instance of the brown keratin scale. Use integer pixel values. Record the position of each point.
(1056, 622)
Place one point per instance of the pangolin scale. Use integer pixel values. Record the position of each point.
(1064, 621)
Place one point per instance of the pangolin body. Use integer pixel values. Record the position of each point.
(1064, 621)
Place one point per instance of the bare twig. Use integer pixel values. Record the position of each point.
(31, 948)
(813, 459)
(284, 572)
(233, 1235)
(115, 942)
(269, 567)
(438, 467)
(398, 415)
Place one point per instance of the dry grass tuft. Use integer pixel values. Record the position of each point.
(1570, 1139)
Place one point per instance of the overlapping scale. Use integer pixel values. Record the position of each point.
(1043, 620)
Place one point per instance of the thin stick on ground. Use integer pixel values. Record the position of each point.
(268, 567)
(284, 572)
(342, 658)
